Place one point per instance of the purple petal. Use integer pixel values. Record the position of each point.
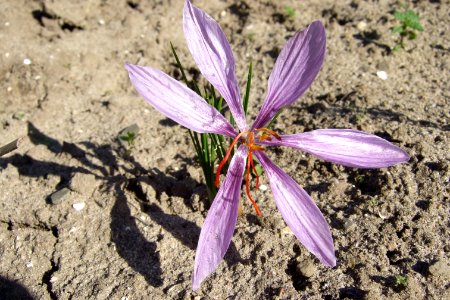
(218, 228)
(300, 212)
(351, 148)
(213, 55)
(294, 71)
(178, 102)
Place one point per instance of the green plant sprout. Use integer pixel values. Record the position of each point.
(210, 147)
(409, 24)
(289, 11)
(250, 36)
(128, 137)
(359, 118)
(373, 202)
(359, 179)
(400, 280)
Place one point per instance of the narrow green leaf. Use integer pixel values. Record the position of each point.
(274, 118)
(247, 89)
(183, 73)
(179, 65)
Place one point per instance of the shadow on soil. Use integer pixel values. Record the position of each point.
(10, 289)
(346, 104)
(122, 180)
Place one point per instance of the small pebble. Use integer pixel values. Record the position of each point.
(59, 196)
(7, 24)
(7, 54)
(223, 13)
(27, 61)
(382, 75)
(101, 22)
(263, 187)
(78, 206)
(9, 89)
(361, 26)
(29, 264)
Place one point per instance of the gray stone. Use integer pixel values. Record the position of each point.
(59, 196)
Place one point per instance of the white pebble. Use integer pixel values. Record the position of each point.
(382, 75)
(263, 187)
(223, 13)
(27, 61)
(6, 24)
(361, 26)
(9, 89)
(79, 206)
(29, 264)
(101, 22)
(7, 54)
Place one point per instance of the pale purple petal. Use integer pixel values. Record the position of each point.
(300, 212)
(348, 147)
(294, 71)
(178, 102)
(212, 53)
(218, 228)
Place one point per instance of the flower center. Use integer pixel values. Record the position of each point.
(248, 138)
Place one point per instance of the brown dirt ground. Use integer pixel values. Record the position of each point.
(136, 236)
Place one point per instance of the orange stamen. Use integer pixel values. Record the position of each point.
(264, 137)
(225, 159)
(247, 183)
(267, 134)
(255, 172)
(270, 132)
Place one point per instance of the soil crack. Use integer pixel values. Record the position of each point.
(47, 277)
(40, 226)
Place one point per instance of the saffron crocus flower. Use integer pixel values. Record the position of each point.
(294, 71)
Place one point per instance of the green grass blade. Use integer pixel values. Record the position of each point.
(247, 88)
(274, 118)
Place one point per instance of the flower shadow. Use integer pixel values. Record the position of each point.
(187, 232)
(104, 162)
(140, 254)
(11, 289)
